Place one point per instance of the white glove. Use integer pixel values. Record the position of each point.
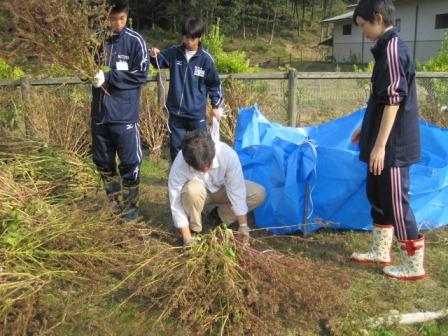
(99, 79)
(244, 232)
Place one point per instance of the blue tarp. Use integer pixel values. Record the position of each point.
(313, 175)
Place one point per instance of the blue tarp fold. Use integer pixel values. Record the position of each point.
(320, 161)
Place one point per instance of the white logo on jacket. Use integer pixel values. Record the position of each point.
(123, 57)
(198, 71)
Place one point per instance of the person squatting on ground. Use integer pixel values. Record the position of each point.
(209, 173)
(115, 112)
(193, 78)
(389, 142)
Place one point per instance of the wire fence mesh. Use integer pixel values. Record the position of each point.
(59, 112)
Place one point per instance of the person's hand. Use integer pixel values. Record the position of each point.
(356, 136)
(244, 233)
(99, 79)
(376, 162)
(154, 52)
(216, 113)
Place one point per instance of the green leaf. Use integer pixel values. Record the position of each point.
(106, 68)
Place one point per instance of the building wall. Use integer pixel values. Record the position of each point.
(428, 38)
(349, 48)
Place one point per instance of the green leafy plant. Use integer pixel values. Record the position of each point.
(226, 62)
(362, 83)
(9, 72)
(436, 103)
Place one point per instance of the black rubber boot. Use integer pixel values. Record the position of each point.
(130, 199)
(112, 186)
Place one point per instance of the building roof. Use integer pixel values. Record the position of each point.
(342, 17)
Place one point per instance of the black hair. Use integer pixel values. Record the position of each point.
(192, 27)
(118, 6)
(198, 150)
(368, 9)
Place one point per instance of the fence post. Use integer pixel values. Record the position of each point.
(25, 88)
(292, 97)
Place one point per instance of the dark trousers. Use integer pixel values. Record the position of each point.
(388, 195)
(179, 126)
(110, 140)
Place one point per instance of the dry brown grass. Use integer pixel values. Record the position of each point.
(224, 287)
(239, 94)
(55, 32)
(59, 251)
(153, 123)
(62, 117)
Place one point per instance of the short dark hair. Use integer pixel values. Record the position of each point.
(193, 27)
(118, 6)
(198, 150)
(368, 9)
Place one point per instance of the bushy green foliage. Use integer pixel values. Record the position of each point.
(9, 72)
(440, 61)
(437, 98)
(362, 83)
(214, 40)
(226, 62)
(234, 62)
(367, 68)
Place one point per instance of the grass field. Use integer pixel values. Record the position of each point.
(80, 301)
(361, 292)
(367, 292)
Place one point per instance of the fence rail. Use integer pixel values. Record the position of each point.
(292, 76)
(242, 76)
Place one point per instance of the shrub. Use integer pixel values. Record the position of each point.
(436, 105)
(233, 62)
(9, 72)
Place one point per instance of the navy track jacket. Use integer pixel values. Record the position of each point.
(127, 56)
(190, 82)
(393, 83)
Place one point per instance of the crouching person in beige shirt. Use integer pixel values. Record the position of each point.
(209, 173)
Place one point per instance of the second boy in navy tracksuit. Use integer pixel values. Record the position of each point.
(193, 78)
(389, 142)
(115, 112)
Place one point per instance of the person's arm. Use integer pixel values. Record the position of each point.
(391, 85)
(136, 74)
(161, 59)
(214, 88)
(376, 161)
(242, 220)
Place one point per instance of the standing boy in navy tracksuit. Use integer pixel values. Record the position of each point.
(115, 112)
(193, 77)
(389, 142)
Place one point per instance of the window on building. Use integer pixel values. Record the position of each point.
(398, 24)
(347, 29)
(442, 21)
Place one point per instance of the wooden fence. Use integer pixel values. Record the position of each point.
(293, 76)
